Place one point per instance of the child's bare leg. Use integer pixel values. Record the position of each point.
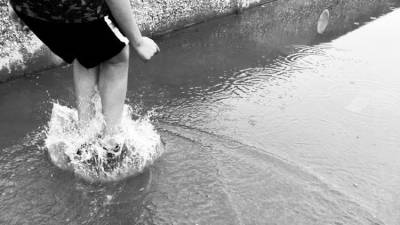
(85, 81)
(113, 79)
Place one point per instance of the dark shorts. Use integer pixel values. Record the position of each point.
(90, 43)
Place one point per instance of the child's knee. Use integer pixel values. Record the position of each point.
(121, 58)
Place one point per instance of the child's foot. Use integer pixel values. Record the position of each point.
(86, 154)
(85, 146)
(82, 148)
(116, 151)
(112, 143)
(115, 157)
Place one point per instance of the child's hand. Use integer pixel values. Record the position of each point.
(146, 49)
(18, 23)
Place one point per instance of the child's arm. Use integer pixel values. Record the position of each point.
(121, 11)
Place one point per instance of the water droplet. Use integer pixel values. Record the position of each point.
(109, 197)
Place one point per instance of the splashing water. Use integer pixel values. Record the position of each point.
(64, 138)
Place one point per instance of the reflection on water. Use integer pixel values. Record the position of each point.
(266, 122)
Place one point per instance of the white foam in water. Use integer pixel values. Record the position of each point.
(64, 138)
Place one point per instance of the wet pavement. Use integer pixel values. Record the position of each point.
(266, 122)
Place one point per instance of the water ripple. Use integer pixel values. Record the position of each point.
(257, 182)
